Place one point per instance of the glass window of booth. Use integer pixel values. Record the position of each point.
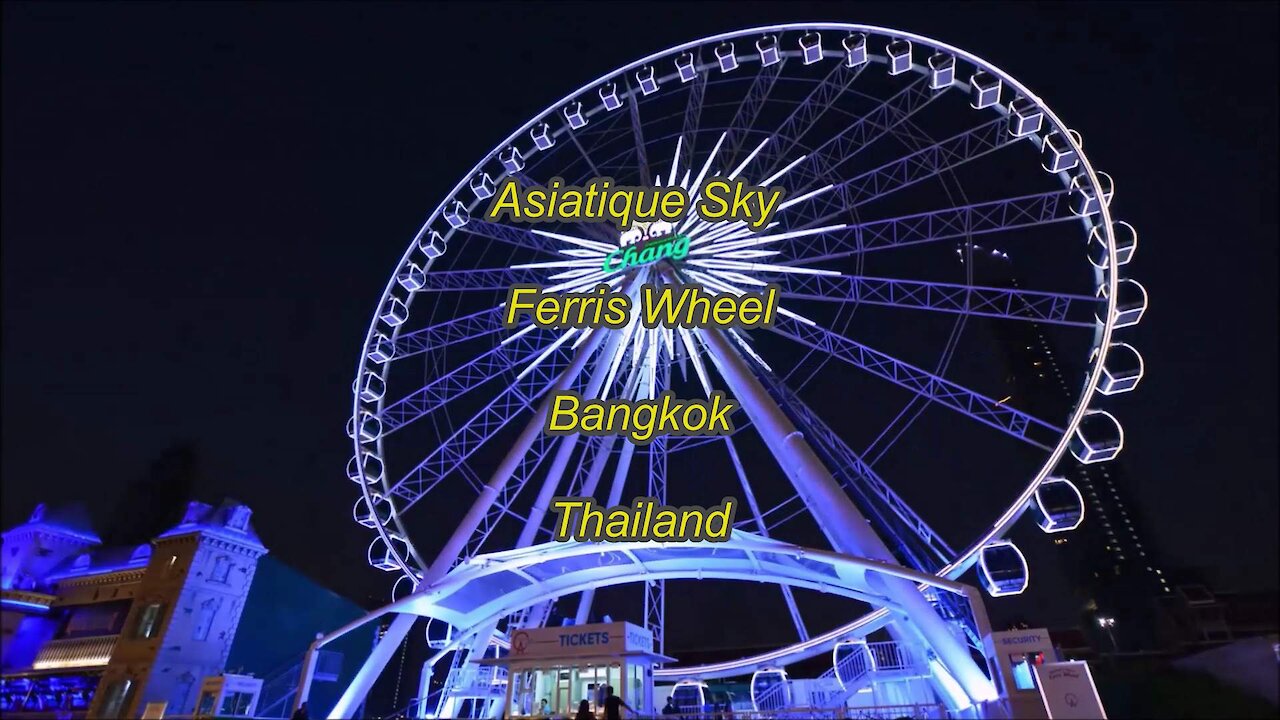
(557, 690)
(634, 693)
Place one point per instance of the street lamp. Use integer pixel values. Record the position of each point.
(1107, 623)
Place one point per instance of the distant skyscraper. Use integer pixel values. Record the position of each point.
(1113, 565)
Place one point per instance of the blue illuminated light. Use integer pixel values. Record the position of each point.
(23, 605)
(100, 570)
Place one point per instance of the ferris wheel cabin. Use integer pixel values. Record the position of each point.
(770, 690)
(689, 695)
(1003, 568)
(1059, 504)
(1098, 438)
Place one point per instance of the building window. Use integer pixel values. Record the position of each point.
(181, 691)
(149, 621)
(221, 569)
(1024, 677)
(116, 698)
(236, 703)
(208, 610)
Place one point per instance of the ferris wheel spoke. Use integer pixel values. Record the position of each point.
(419, 481)
(443, 334)
(749, 109)
(821, 163)
(994, 302)
(445, 388)
(777, 515)
(492, 279)
(914, 408)
(895, 429)
(501, 507)
(586, 157)
(692, 119)
(517, 236)
(952, 223)
(891, 177)
(897, 523)
(801, 120)
(598, 231)
(559, 367)
(763, 530)
(922, 382)
(637, 133)
(793, 511)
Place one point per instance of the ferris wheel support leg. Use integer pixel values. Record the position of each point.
(567, 445)
(453, 548)
(764, 532)
(615, 496)
(845, 527)
(550, 485)
(355, 693)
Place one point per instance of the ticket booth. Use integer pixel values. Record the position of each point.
(228, 695)
(551, 670)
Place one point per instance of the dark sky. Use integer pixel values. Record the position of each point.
(202, 202)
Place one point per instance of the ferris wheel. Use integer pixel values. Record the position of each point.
(918, 177)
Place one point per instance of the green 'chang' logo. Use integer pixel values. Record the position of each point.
(638, 248)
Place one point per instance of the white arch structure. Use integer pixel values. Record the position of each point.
(479, 591)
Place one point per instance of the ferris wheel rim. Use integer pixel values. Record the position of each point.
(1103, 332)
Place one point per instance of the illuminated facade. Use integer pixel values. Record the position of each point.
(107, 630)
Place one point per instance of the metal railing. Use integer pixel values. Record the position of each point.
(856, 670)
(275, 700)
(891, 656)
(75, 652)
(879, 712)
(775, 697)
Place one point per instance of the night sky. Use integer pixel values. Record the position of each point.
(202, 203)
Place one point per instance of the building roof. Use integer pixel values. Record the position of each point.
(72, 519)
(228, 520)
(100, 560)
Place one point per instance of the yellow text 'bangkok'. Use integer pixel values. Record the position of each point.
(640, 420)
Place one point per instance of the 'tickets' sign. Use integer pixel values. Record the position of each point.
(580, 641)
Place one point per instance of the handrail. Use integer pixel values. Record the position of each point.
(774, 697)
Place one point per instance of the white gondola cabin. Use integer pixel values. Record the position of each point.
(1098, 437)
(1003, 568)
(1122, 371)
(1059, 504)
(770, 690)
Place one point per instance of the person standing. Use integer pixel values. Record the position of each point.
(613, 705)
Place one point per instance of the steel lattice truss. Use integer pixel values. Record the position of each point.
(985, 410)
(951, 224)
(945, 297)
